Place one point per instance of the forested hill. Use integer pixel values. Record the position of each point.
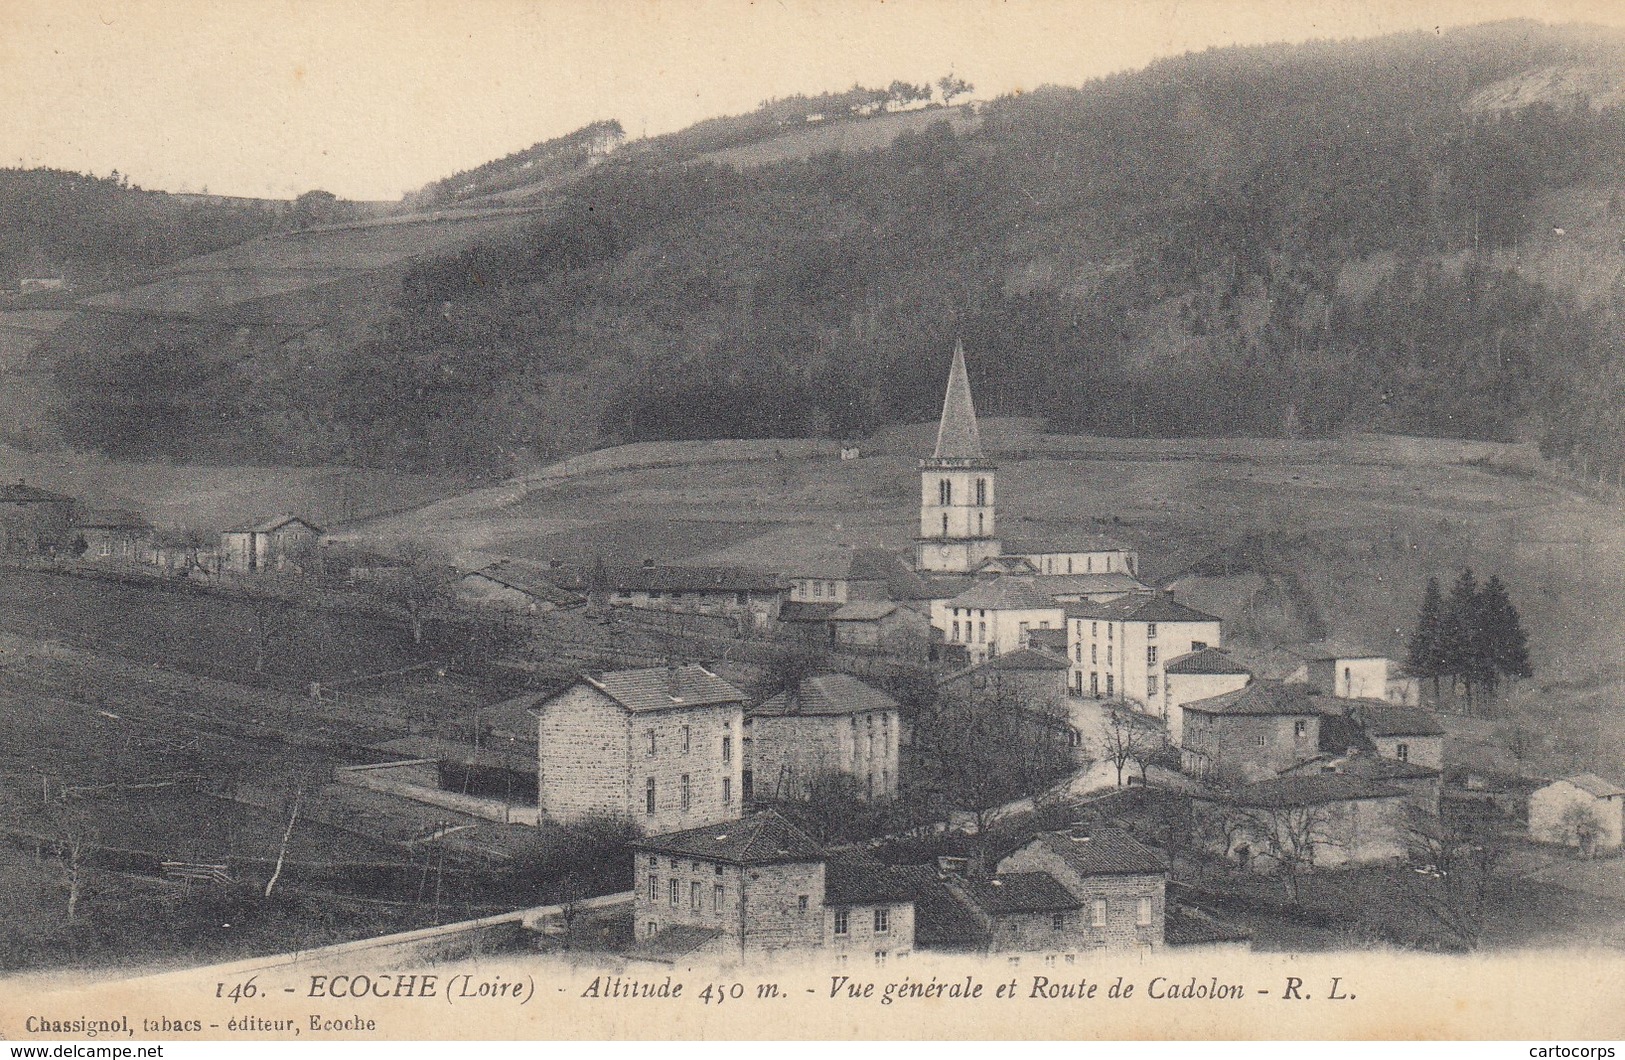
(1419, 234)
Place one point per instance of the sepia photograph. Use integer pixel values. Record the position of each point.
(841, 519)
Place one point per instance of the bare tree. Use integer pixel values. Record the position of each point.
(74, 840)
(1448, 870)
(1289, 835)
(424, 587)
(1123, 741)
(1581, 826)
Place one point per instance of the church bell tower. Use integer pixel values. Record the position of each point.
(957, 529)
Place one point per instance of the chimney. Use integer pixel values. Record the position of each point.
(674, 679)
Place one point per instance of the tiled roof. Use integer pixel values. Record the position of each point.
(1025, 659)
(994, 565)
(111, 519)
(273, 524)
(1020, 892)
(690, 580)
(653, 688)
(942, 919)
(1185, 925)
(1139, 607)
(760, 839)
(1388, 720)
(531, 585)
(1082, 543)
(1322, 650)
(848, 883)
(1052, 640)
(864, 611)
(800, 611)
(957, 436)
(826, 694)
(1259, 698)
(1085, 584)
(1206, 661)
(866, 564)
(672, 943)
(22, 493)
(1100, 850)
(1595, 785)
(1006, 593)
(1280, 792)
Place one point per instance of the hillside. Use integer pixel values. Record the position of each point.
(1420, 234)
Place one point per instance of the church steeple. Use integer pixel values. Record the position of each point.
(957, 436)
(957, 507)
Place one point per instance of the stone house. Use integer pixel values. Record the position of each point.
(749, 887)
(1119, 883)
(1196, 675)
(1322, 820)
(1250, 734)
(33, 520)
(994, 618)
(1408, 734)
(279, 543)
(880, 625)
(660, 746)
(1583, 810)
(505, 587)
(852, 574)
(1341, 670)
(1024, 912)
(869, 911)
(749, 597)
(1423, 786)
(829, 725)
(1119, 649)
(113, 536)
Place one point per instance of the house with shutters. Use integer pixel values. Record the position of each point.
(828, 726)
(1120, 649)
(1119, 884)
(659, 746)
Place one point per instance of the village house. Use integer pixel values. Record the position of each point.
(992, 618)
(748, 887)
(1317, 821)
(827, 726)
(1583, 811)
(659, 746)
(1250, 734)
(1120, 884)
(869, 911)
(1422, 785)
(1023, 912)
(751, 598)
(1341, 670)
(1119, 649)
(1028, 677)
(850, 574)
(880, 625)
(33, 520)
(507, 587)
(114, 536)
(1200, 674)
(282, 542)
(1408, 734)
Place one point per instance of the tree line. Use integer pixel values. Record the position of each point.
(1474, 638)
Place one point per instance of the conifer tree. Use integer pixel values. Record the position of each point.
(1426, 656)
(1460, 640)
(1505, 646)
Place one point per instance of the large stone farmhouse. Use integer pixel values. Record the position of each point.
(661, 747)
(829, 727)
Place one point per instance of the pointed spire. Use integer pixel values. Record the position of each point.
(957, 436)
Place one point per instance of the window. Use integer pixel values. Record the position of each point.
(882, 919)
(716, 896)
(981, 527)
(649, 737)
(818, 588)
(1058, 921)
(654, 887)
(1077, 653)
(727, 748)
(880, 956)
(944, 524)
(685, 739)
(650, 928)
(1097, 912)
(1089, 564)
(1094, 684)
(841, 925)
(1403, 752)
(1108, 684)
(1069, 564)
(649, 795)
(687, 791)
(956, 631)
(1151, 685)
(1094, 629)
(694, 896)
(1108, 652)
(945, 492)
(1151, 655)
(1108, 631)
(1021, 630)
(802, 901)
(1094, 653)
(981, 493)
(981, 632)
(676, 892)
(1300, 727)
(727, 791)
(1150, 631)
(1260, 739)
(1142, 913)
